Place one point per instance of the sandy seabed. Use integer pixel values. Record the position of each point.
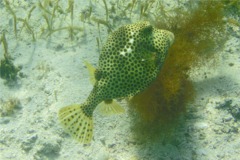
(53, 75)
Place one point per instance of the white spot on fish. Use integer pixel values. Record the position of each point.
(129, 50)
(131, 40)
(122, 53)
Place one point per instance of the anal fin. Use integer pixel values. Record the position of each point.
(110, 107)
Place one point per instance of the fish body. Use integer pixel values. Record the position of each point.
(129, 61)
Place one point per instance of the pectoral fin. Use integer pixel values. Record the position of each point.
(91, 70)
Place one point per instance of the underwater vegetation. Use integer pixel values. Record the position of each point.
(200, 31)
(7, 108)
(17, 20)
(51, 11)
(8, 70)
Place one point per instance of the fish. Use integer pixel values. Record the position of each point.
(129, 61)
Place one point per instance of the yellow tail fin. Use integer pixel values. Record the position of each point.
(110, 108)
(76, 123)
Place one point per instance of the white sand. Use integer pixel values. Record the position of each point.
(55, 76)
